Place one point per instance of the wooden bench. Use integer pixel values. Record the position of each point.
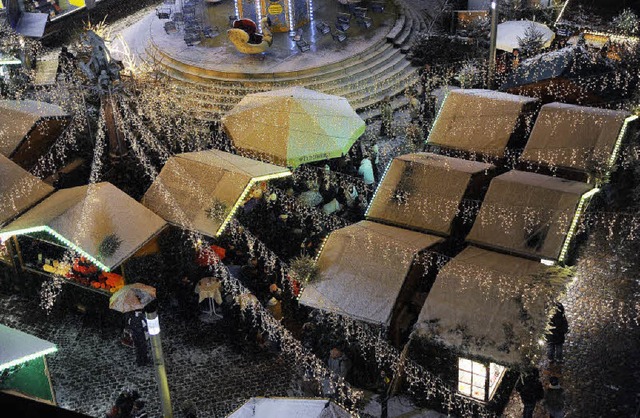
(339, 36)
(303, 45)
(365, 22)
(323, 28)
(377, 6)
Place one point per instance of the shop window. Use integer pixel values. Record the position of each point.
(477, 380)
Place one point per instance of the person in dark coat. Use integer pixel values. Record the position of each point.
(554, 398)
(558, 328)
(138, 325)
(531, 391)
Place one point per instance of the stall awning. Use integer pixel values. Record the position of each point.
(423, 191)
(293, 126)
(200, 191)
(490, 305)
(19, 347)
(363, 267)
(479, 121)
(32, 25)
(89, 218)
(529, 214)
(28, 128)
(19, 190)
(577, 137)
(289, 408)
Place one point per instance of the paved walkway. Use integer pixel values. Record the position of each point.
(206, 364)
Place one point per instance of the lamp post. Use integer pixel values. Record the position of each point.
(153, 325)
(492, 48)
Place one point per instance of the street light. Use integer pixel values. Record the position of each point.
(492, 48)
(153, 326)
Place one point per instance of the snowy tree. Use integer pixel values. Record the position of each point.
(627, 22)
(532, 41)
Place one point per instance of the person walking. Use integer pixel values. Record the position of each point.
(558, 328)
(366, 171)
(531, 391)
(138, 326)
(554, 398)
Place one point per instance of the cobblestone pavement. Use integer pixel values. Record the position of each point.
(204, 363)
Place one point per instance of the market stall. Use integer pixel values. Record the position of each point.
(29, 128)
(23, 366)
(483, 122)
(530, 214)
(289, 408)
(363, 268)
(585, 139)
(85, 234)
(425, 191)
(201, 191)
(491, 311)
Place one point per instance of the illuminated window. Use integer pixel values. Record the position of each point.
(478, 381)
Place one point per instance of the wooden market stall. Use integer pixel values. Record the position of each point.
(489, 312)
(201, 191)
(23, 366)
(426, 192)
(530, 214)
(29, 128)
(483, 122)
(85, 234)
(369, 273)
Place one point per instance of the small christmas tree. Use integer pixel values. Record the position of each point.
(532, 42)
(627, 22)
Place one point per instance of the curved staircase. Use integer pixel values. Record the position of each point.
(364, 79)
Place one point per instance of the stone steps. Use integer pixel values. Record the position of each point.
(364, 79)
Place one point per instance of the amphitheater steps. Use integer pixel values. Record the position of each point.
(364, 79)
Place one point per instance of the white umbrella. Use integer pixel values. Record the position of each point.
(510, 33)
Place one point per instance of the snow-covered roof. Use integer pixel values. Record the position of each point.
(200, 191)
(577, 137)
(18, 118)
(528, 214)
(83, 217)
(479, 121)
(423, 191)
(545, 66)
(363, 267)
(290, 408)
(19, 190)
(17, 347)
(490, 305)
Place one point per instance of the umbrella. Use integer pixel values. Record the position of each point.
(510, 33)
(209, 287)
(132, 297)
(293, 126)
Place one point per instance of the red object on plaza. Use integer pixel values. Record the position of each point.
(205, 256)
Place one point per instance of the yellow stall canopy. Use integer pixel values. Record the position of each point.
(576, 137)
(200, 191)
(363, 267)
(293, 126)
(83, 218)
(482, 122)
(19, 190)
(28, 128)
(424, 191)
(529, 214)
(490, 305)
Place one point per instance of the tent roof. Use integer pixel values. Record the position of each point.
(18, 347)
(190, 185)
(478, 121)
(577, 137)
(363, 267)
(510, 32)
(423, 191)
(17, 118)
(490, 305)
(527, 213)
(82, 217)
(19, 190)
(545, 66)
(289, 408)
(294, 125)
